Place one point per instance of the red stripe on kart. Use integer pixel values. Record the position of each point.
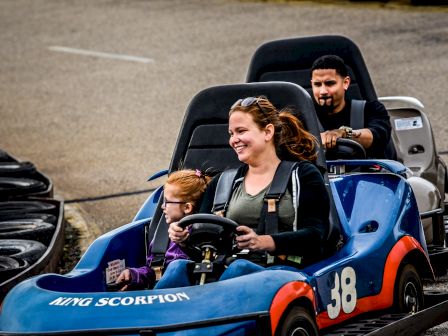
(288, 293)
(385, 298)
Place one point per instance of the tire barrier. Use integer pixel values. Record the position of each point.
(27, 228)
(21, 249)
(21, 179)
(14, 208)
(31, 223)
(17, 168)
(14, 186)
(10, 267)
(5, 157)
(29, 216)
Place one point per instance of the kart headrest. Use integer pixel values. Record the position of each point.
(291, 60)
(203, 142)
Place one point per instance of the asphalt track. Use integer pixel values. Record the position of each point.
(94, 92)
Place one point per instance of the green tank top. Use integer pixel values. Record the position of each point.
(245, 209)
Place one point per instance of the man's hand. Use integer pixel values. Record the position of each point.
(364, 136)
(329, 137)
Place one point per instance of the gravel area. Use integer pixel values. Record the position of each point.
(72, 251)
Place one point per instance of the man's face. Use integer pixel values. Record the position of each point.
(329, 89)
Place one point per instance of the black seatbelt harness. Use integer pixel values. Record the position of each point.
(159, 247)
(224, 188)
(268, 223)
(357, 114)
(269, 214)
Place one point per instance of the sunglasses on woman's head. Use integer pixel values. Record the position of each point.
(249, 101)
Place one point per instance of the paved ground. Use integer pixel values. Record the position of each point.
(100, 126)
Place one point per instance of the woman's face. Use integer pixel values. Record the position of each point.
(246, 138)
(173, 207)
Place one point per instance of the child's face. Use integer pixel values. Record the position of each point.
(173, 207)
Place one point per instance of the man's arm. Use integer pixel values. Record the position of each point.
(364, 136)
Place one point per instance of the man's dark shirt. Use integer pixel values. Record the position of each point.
(376, 119)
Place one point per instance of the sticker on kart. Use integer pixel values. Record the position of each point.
(408, 123)
(343, 293)
(119, 301)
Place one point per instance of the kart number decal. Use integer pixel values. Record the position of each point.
(343, 293)
(408, 123)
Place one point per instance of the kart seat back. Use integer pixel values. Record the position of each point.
(203, 139)
(290, 60)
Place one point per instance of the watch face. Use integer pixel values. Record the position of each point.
(348, 131)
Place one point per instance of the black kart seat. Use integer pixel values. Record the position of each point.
(203, 139)
(290, 60)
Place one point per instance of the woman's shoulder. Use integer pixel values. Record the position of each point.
(306, 166)
(308, 170)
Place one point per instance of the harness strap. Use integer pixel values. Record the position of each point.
(224, 188)
(357, 114)
(268, 223)
(269, 214)
(159, 244)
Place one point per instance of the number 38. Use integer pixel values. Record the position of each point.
(343, 293)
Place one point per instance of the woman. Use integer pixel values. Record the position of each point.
(262, 137)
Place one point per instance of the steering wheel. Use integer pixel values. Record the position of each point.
(210, 231)
(346, 149)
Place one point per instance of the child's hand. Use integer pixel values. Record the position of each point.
(177, 234)
(124, 278)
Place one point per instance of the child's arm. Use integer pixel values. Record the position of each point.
(138, 277)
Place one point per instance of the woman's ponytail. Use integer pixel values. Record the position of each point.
(294, 140)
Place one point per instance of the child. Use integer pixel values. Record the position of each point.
(182, 193)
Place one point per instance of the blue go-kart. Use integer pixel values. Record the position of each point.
(377, 264)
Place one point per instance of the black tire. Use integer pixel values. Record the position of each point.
(20, 169)
(12, 186)
(5, 157)
(10, 267)
(408, 295)
(22, 207)
(28, 250)
(27, 228)
(43, 217)
(298, 322)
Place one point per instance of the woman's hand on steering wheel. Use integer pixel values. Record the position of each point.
(177, 234)
(248, 239)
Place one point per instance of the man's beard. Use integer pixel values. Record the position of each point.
(325, 108)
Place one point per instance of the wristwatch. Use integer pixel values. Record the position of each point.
(348, 131)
